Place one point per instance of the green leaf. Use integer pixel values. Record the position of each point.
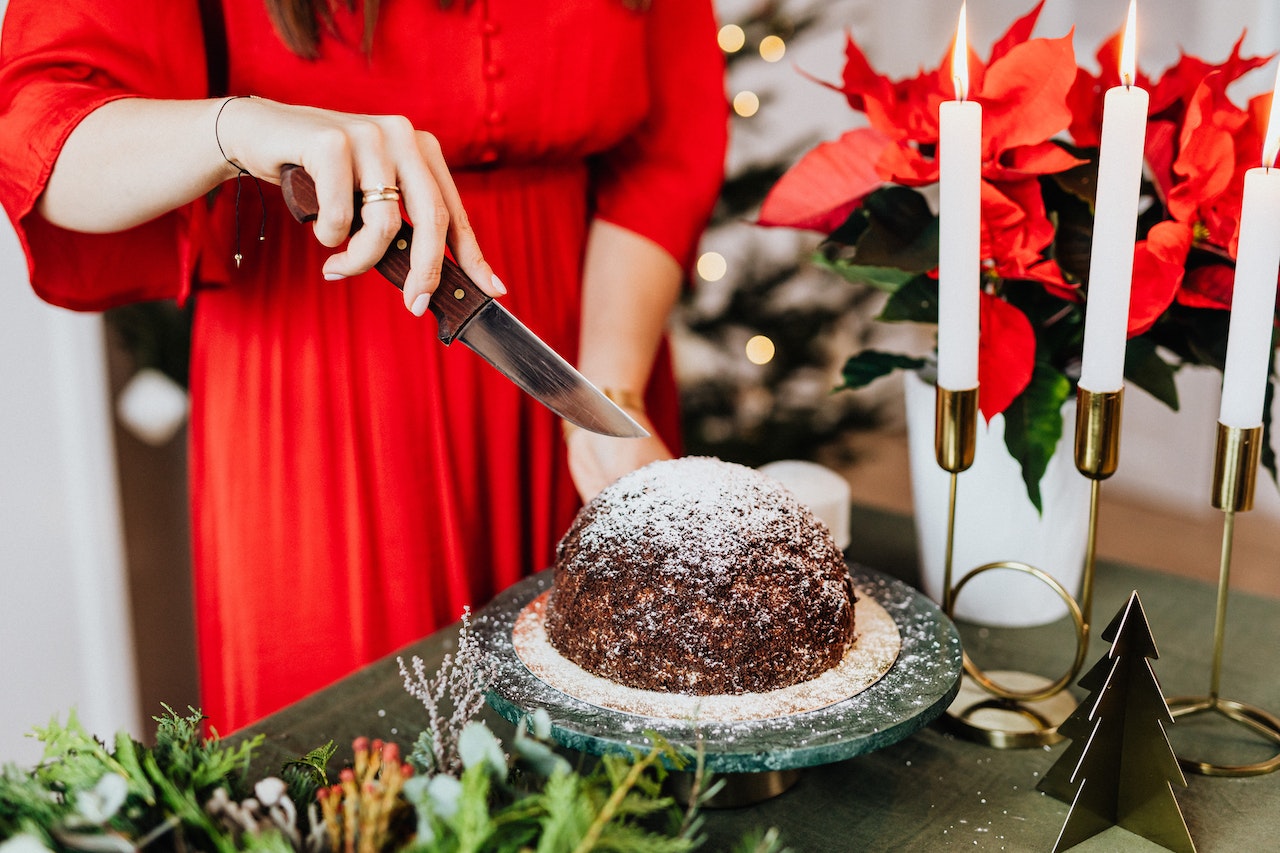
(189, 759)
(270, 841)
(568, 814)
(127, 751)
(26, 805)
(73, 759)
(888, 279)
(901, 231)
(869, 365)
(182, 802)
(471, 823)
(1033, 425)
(915, 302)
(477, 746)
(1144, 367)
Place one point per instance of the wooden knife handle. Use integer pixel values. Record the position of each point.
(456, 300)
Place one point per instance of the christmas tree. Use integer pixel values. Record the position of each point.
(1119, 768)
(760, 340)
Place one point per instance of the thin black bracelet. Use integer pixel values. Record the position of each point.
(241, 171)
(218, 140)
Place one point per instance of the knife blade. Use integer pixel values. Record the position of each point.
(466, 313)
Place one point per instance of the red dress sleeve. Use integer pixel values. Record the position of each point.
(663, 181)
(58, 63)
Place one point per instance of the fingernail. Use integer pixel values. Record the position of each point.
(419, 306)
(334, 276)
(498, 285)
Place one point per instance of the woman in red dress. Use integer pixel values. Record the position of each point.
(354, 483)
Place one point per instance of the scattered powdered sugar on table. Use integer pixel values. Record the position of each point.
(865, 662)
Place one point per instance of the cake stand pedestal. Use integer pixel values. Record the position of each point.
(916, 690)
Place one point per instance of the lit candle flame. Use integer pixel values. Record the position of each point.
(1271, 142)
(960, 58)
(1129, 48)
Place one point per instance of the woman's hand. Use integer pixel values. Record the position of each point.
(344, 153)
(596, 460)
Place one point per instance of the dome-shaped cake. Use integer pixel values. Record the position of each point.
(700, 576)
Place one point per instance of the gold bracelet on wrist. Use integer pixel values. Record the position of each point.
(628, 400)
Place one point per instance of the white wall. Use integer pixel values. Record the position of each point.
(64, 627)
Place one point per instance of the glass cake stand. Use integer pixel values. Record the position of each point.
(762, 754)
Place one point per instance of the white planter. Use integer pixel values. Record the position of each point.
(995, 521)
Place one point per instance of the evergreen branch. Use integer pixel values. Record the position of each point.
(614, 803)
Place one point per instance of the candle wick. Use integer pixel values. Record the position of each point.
(1128, 81)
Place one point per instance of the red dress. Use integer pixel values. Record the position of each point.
(355, 483)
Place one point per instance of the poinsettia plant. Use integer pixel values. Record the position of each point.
(1042, 117)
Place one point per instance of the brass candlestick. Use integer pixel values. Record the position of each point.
(987, 701)
(1234, 476)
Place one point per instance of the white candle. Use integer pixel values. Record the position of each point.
(1115, 224)
(1253, 300)
(959, 216)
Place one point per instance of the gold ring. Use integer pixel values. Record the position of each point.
(381, 193)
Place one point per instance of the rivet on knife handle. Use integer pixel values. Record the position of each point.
(455, 301)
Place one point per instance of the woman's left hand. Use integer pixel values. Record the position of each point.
(596, 460)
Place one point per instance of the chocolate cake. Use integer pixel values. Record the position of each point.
(700, 576)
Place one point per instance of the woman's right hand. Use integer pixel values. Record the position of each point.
(344, 153)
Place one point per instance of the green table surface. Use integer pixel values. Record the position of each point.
(934, 791)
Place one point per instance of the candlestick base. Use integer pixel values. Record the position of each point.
(1254, 719)
(978, 716)
(1013, 709)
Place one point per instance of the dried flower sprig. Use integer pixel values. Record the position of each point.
(457, 687)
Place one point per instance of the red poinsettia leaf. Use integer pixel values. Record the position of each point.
(861, 83)
(824, 186)
(1209, 286)
(1180, 80)
(1220, 215)
(904, 164)
(1019, 31)
(905, 109)
(1049, 274)
(1024, 94)
(1159, 153)
(1206, 162)
(1085, 102)
(1006, 355)
(1045, 158)
(1108, 56)
(1015, 227)
(1000, 215)
(1158, 267)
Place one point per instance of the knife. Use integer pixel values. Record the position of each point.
(465, 313)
